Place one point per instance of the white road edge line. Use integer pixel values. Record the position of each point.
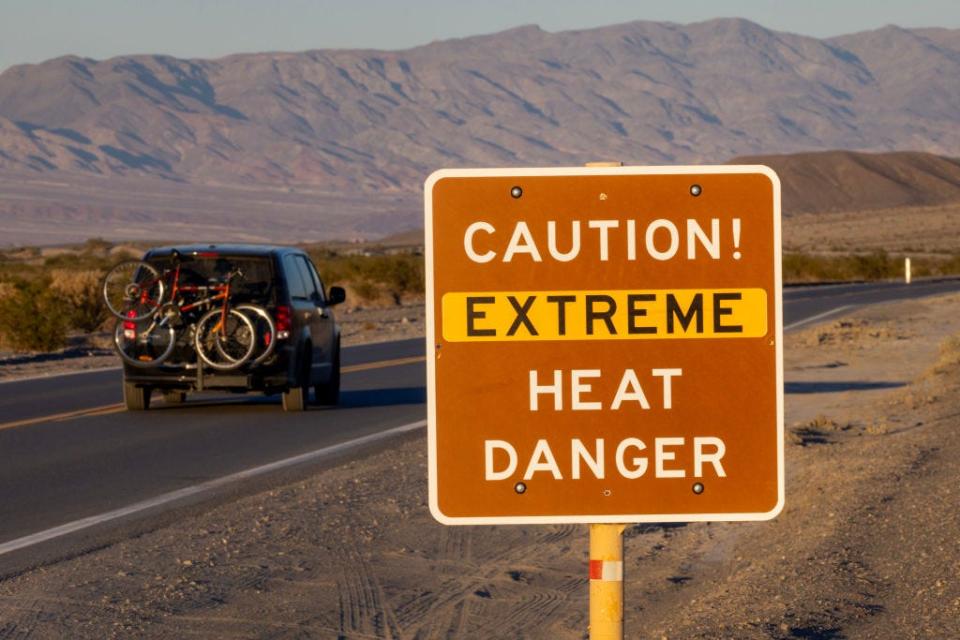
(819, 316)
(166, 498)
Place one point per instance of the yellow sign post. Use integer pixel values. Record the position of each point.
(606, 581)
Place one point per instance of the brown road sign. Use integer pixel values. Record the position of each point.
(604, 344)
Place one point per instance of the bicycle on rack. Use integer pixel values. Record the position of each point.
(157, 311)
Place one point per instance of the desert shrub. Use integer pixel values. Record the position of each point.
(13, 270)
(372, 276)
(948, 358)
(84, 261)
(32, 317)
(80, 294)
(97, 246)
(366, 290)
(7, 289)
(403, 274)
(949, 266)
(804, 267)
(875, 266)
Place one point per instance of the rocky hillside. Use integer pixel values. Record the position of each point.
(847, 181)
(380, 121)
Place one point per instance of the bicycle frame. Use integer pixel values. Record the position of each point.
(222, 293)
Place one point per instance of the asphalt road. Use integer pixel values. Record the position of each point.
(803, 305)
(71, 456)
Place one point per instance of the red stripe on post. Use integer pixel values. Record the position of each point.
(596, 569)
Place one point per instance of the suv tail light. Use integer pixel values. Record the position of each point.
(129, 326)
(283, 316)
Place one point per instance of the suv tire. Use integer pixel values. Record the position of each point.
(295, 398)
(174, 396)
(136, 398)
(328, 393)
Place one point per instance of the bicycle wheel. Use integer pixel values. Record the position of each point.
(265, 331)
(133, 287)
(143, 344)
(225, 343)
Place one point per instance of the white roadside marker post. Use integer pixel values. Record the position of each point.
(906, 270)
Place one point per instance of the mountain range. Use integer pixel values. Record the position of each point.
(365, 127)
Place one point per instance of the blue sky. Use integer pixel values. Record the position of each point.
(35, 30)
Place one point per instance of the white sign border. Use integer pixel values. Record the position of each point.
(526, 172)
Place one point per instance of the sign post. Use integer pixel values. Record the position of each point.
(604, 346)
(606, 581)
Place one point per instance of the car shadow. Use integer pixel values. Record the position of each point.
(383, 397)
(838, 386)
(348, 399)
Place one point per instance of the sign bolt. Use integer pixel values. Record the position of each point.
(516, 192)
(698, 488)
(695, 190)
(520, 488)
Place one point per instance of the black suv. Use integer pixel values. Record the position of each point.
(281, 280)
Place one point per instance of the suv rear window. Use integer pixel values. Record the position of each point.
(254, 286)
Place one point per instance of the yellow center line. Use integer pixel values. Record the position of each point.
(382, 364)
(105, 410)
(117, 408)
(58, 417)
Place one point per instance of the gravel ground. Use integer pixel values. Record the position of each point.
(868, 545)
